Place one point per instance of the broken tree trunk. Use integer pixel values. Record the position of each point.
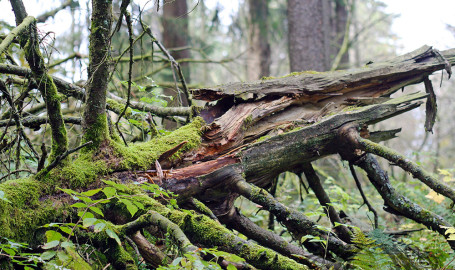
(257, 130)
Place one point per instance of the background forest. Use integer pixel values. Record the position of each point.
(216, 42)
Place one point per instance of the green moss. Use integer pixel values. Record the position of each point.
(292, 74)
(97, 133)
(81, 172)
(143, 155)
(25, 212)
(117, 107)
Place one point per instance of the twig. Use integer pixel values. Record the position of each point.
(69, 57)
(16, 171)
(47, 15)
(17, 119)
(315, 184)
(365, 200)
(130, 70)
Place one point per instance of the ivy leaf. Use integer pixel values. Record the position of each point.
(86, 215)
(139, 205)
(63, 257)
(99, 227)
(113, 235)
(48, 255)
(67, 244)
(67, 230)
(51, 244)
(115, 185)
(9, 251)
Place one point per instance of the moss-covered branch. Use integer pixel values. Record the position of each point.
(407, 165)
(152, 218)
(394, 201)
(15, 33)
(30, 43)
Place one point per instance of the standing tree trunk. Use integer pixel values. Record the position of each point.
(340, 23)
(95, 120)
(176, 36)
(308, 24)
(258, 62)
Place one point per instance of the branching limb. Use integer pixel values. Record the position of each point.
(296, 222)
(394, 202)
(61, 157)
(242, 224)
(365, 200)
(407, 165)
(36, 121)
(30, 45)
(171, 59)
(16, 117)
(316, 185)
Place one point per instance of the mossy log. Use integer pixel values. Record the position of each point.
(236, 148)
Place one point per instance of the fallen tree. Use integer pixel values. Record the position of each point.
(116, 197)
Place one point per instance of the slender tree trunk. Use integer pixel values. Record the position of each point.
(258, 61)
(341, 18)
(176, 35)
(309, 32)
(95, 121)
